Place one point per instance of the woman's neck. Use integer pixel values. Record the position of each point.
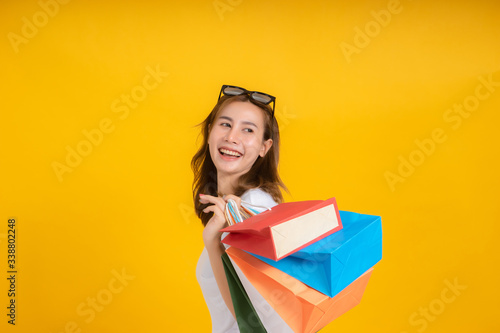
(225, 184)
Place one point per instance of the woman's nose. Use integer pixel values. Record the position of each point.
(232, 136)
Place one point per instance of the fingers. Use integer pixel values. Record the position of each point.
(211, 232)
(217, 212)
(235, 198)
(217, 201)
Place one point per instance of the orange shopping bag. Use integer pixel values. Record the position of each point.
(303, 308)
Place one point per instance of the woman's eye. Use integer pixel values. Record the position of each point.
(249, 130)
(225, 124)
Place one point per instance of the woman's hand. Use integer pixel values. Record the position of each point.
(215, 249)
(211, 233)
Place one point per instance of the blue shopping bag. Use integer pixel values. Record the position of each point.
(332, 263)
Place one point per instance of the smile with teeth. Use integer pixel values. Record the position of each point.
(229, 152)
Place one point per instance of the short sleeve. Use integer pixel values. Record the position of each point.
(258, 197)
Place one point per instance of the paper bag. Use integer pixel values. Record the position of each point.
(303, 308)
(332, 263)
(285, 228)
(246, 316)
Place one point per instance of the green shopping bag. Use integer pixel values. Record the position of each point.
(246, 316)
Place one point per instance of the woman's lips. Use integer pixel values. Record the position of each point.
(229, 154)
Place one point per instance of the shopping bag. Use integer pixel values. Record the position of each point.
(246, 316)
(303, 308)
(286, 228)
(332, 263)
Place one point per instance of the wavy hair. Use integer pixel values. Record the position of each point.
(263, 174)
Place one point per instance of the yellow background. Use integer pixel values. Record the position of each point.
(346, 122)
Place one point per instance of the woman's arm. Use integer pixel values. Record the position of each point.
(212, 240)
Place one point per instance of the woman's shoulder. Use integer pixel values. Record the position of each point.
(259, 197)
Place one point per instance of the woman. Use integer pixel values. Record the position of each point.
(238, 160)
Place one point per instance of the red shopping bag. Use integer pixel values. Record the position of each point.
(286, 228)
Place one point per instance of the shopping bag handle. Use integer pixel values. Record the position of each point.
(257, 206)
(234, 215)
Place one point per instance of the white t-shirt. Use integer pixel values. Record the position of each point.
(222, 319)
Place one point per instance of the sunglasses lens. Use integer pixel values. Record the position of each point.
(233, 91)
(256, 96)
(261, 98)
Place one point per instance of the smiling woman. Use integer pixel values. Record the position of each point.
(236, 141)
(237, 160)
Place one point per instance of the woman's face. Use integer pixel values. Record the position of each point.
(236, 138)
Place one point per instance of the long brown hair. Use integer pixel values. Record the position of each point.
(263, 173)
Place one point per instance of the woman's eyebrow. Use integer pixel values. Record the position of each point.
(249, 123)
(226, 117)
(244, 122)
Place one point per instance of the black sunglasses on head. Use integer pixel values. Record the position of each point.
(255, 95)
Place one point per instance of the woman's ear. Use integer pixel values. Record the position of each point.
(266, 145)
